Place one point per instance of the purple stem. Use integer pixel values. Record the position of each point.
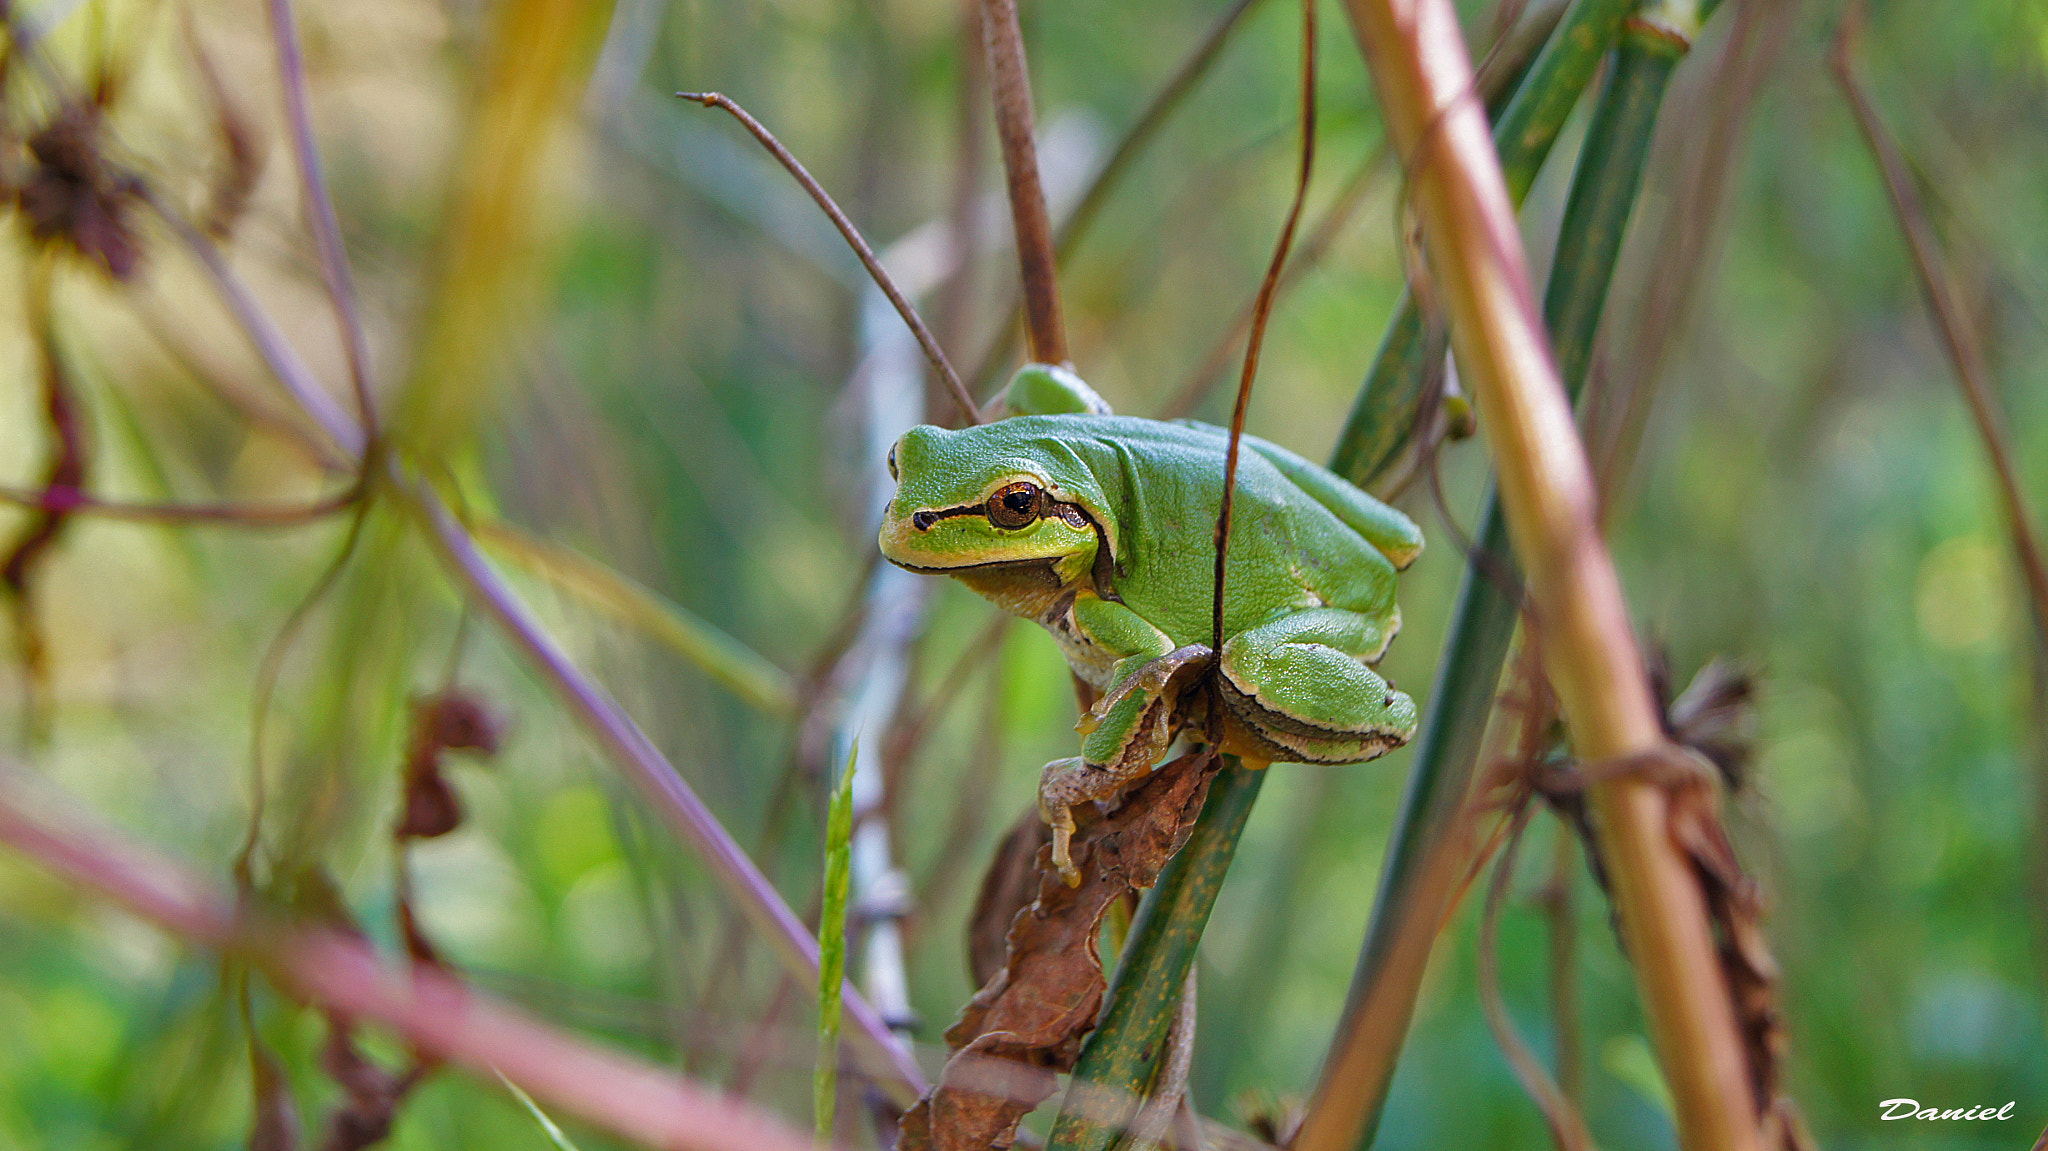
(320, 214)
(883, 1053)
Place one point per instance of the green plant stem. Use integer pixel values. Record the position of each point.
(1116, 1070)
(1382, 422)
(1596, 215)
(1126, 1040)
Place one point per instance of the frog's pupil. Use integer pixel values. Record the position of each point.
(1020, 500)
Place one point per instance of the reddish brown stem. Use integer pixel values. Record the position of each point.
(1262, 310)
(437, 1015)
(1010, 83)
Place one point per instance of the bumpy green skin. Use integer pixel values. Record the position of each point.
(1119, 566)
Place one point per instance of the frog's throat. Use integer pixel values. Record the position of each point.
(1028, 588)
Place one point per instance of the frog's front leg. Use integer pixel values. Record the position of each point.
(1301, 686)
(1129, 729)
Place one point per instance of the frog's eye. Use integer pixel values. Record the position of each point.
(1015, 505)
(892, 464)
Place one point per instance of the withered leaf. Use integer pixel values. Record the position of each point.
(1027, 1022)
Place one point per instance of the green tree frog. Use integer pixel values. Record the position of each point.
(1101, 528)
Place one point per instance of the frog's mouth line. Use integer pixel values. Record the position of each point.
(954, 569)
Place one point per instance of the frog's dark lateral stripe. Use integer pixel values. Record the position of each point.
(1298, 741)
(1105, 558)
(924, 520)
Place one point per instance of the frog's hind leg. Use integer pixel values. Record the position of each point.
(1301, 686)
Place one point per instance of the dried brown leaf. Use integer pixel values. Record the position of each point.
(75, 195)
(449, 720)
(1031, 1015)
(1009, 886)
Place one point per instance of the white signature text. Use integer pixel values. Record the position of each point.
(1911, 1109)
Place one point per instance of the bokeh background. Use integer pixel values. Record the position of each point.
(675, 386)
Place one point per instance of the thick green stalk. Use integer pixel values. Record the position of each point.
(1118, 1065)
(1596, 215)
(1382, 422)
(1116, 1070)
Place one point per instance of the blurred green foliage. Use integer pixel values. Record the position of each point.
(1809, 498)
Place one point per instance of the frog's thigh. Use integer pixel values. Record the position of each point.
(1361, 617)
(1310, 666)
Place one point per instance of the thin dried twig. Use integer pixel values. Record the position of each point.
(1143, 131)
(1164, 103)
(925, 340)
(885, 1057)
(1565, 1125)
(1958, 339)
(277, 353)
(1195, 386)
(1262, 310)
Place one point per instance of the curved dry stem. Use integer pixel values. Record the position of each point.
(885, 1057)
(1565, 1125)
(925, 340)
(1958, 340)
(1262, 310)
(277, 353)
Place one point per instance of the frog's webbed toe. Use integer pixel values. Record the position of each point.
(1127, 732)
(1131, 726)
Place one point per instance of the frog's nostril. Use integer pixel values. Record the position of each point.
(923, 521)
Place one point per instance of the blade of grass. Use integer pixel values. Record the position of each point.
(832, 946)
(1360, 1067)
(734, 665)
(494, 227)
(1423, 77)
(541, 1119)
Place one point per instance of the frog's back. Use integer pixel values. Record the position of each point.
(1161, 485)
